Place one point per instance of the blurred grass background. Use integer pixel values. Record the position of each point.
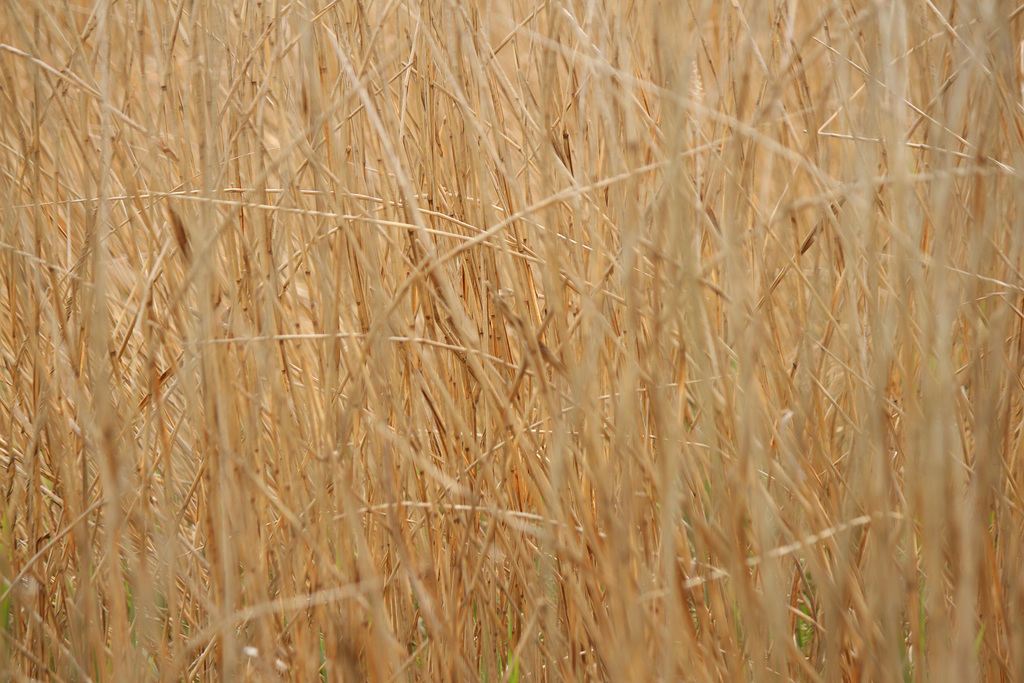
(515, 340)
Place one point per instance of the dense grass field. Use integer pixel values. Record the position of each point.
(515, 340)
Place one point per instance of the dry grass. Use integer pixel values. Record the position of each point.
(511, 341)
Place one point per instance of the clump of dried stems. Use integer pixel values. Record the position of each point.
(506, 341)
